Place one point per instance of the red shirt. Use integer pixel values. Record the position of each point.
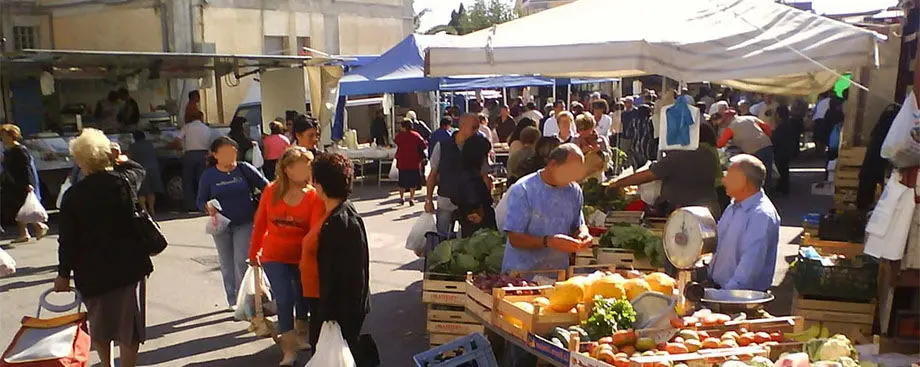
(409, 148)
(279, 229)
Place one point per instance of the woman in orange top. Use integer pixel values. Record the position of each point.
(287, 211)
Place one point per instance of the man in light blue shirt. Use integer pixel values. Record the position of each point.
(545, 224)
(745, 257)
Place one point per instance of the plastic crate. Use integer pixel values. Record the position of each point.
(477, 352)
(839, 282)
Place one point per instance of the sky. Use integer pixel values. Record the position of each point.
(440, 9)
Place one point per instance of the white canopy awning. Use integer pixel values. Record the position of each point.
(755, 45)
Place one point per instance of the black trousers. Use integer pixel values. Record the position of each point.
(782, 165)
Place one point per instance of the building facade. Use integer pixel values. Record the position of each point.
(272, 27)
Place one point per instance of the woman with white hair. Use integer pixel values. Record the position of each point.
(419, 126)
(101, 251)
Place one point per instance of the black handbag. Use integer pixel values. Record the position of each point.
(146, 229)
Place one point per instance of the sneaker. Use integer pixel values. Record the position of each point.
(411, 202)
(22, 240)
(402, 202)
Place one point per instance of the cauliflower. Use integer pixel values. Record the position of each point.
(836, 347)
(760, 361)
(848, 362)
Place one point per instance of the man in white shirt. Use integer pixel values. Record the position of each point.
(766, 110)
(551, 127)
(195, 139)
(599, 109)
(532, 113)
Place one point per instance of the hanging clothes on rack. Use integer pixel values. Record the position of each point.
(680, 123)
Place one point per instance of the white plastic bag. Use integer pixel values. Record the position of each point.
(7, 264)
(416, 241)
(257, 159)
(331, 350)
(245, 298)
(64, 187)
(216, 224)
(32, 211)
(394, 172)
(902, 144)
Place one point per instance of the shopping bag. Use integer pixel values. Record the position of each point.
(58, 341)
(259, 324)
(394, 172)
(216, 224)
(416, 241)
(257, 159)
(7, 264)
(245, 298)
(60, 197)
(902, 144)
(331, 350)
(32, 211)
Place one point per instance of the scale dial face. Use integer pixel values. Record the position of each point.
(686, 233)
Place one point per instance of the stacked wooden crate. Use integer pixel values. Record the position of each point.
(846, 176)
(445, 298)
(853, 319)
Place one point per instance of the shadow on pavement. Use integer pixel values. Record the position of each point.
(398, 341)
(266, 357)
(194, 347)
(25, 284)
(158, 331)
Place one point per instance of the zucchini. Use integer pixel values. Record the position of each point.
(557, 342)
(583, 335)
(563, 335)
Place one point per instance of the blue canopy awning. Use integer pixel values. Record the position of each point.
(399, 70)
(506, 81)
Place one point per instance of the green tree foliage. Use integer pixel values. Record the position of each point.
(481, 14)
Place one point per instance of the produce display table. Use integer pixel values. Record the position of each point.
(516, 341)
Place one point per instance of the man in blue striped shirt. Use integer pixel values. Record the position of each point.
(745, 257)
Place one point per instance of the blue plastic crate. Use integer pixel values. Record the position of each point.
(477, 352)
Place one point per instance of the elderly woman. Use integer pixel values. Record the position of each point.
(100, 251)
(341, 256)
(17, 181)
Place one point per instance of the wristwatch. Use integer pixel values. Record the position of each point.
(545, 241)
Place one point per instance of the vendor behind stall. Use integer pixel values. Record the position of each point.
(688, 177)
(748, 232)
(544, 223)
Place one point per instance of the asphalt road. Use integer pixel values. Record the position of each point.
(186, 317)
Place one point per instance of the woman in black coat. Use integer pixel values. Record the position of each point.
(342, 258)
(474, 202)
(17, 181)
(101, 251)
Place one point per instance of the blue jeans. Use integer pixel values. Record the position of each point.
(232, 253)
(193, 164)
(287, 292)
(766, 157)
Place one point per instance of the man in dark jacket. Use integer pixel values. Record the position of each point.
(379, 130)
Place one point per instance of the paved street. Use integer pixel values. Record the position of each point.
(188, 324)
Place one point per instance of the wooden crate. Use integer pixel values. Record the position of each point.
(851, 157)
(520, 322)
(826, 248)
(444, 289)
(621, 216)
(480, 303)
(840, 183)
(853, 319)
(449, 314)
(622, 259)
(702, 358)
(456, 328)
(437, 339)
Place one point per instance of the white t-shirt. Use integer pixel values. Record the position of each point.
(603, 126)
(616, 125)
(551, 128)
(195, 135)
(755, 109)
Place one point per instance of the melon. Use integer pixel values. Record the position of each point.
(566, 295)
(635, 287)
(608, 287)
(661, 282)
